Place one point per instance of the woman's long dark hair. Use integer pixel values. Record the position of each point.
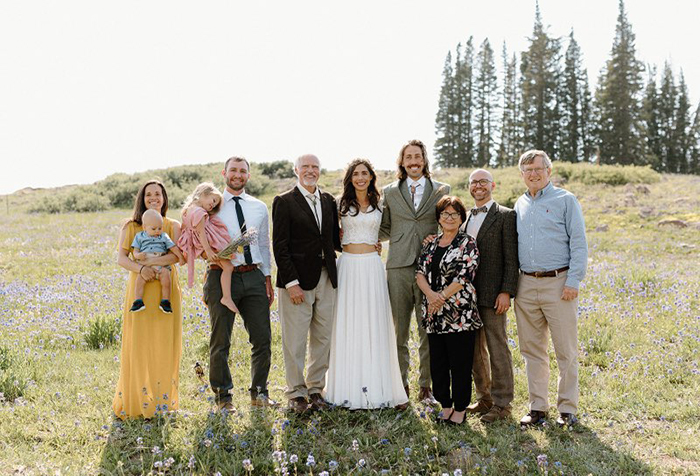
(140, 204)
(348, 200)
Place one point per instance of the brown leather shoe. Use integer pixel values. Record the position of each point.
(494, 414)
(533, 418)
(317, 402)
(479, 407)
(263, 400)
(426, 396)
(226, 406)
(298, 404)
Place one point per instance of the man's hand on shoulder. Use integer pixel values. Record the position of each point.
(569, 294)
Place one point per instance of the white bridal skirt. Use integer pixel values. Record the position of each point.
(364, 366)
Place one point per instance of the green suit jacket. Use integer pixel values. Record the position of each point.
(406, 227)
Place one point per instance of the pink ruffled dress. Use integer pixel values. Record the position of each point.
(189, 243)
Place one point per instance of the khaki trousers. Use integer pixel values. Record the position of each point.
(539, 310)
(312, 320)
(405, 297)
(493, 363)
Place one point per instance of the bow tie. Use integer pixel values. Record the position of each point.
(476, 211)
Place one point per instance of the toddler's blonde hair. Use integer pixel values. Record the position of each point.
(202, 190)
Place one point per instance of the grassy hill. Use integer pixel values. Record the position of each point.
(61, 295)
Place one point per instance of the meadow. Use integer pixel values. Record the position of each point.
(61, 296)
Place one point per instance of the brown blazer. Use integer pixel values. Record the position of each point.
(497, 242)
(297, 242)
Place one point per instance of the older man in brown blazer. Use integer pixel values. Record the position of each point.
(494, 228)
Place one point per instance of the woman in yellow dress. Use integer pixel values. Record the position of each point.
(151, 339)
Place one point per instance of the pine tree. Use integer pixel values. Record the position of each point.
(650, 120)
(464, 89)
(445, 120)
(540, 74)
(587, 120)
(682, 133)
(694, 140)
(617, 99)
(486, 103)
(574, 86)
(509, 148)
(668, 98)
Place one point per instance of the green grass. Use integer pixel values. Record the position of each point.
(639, 328)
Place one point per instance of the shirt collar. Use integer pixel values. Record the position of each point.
(228, 195)
(420, 181)
(487, 205)
(542, 191)
(306, 193)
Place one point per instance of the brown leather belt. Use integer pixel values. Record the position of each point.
(244, 268)
(547, 274)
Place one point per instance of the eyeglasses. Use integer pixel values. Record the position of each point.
(482, 182)
(453, 215)
(537, 170)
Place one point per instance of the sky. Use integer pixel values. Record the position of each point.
(91, 88)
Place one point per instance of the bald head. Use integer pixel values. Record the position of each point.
(481, 186)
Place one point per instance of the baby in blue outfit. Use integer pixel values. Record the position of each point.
(153, 241)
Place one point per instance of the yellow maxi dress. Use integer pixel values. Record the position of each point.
(151, 346)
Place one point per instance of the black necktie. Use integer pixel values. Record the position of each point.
(313, 200)
(241, 223)
(476, 211)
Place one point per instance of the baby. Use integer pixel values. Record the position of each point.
(153, 241)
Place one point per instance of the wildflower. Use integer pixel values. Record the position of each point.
(324, 473)
(542, 460)
(434, 439)
(458, 472)
(361, 463)
(191, 462)
(384, 441)
(247, 465)
(407, 451)
(310, 461)
(355, 445)
(293, 459)
(158, 464)
(332, 465)
(364, 389)
(156, 450)
(168, 462)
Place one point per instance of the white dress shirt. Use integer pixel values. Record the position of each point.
(308, 196)
(420, 188)
(256, 216)
(474, 222)
(318, 213)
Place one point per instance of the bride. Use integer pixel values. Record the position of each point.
(364, 366)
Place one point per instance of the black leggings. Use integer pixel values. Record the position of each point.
(451, 359)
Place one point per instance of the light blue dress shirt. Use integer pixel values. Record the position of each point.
(552, 233)
(256, 216)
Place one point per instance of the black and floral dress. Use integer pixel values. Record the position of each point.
(458, 263)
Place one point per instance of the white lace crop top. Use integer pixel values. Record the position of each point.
(361, 228)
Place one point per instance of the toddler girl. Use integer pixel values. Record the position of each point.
(203, 233)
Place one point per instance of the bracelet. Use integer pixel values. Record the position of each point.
(142, 266)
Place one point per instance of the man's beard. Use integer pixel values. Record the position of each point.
(236, 188)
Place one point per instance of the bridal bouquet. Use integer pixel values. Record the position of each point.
(236, 245)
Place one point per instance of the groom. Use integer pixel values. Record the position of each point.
(305, 236)
(408, 217)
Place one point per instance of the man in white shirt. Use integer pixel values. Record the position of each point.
(251, 290)
(305, 237)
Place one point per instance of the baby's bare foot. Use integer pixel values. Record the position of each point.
(228, 302)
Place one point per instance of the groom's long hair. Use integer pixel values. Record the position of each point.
(348, 201)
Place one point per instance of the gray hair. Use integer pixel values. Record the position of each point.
(297, 161)
(530, 156)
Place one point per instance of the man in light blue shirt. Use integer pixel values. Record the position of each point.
(553, 254)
